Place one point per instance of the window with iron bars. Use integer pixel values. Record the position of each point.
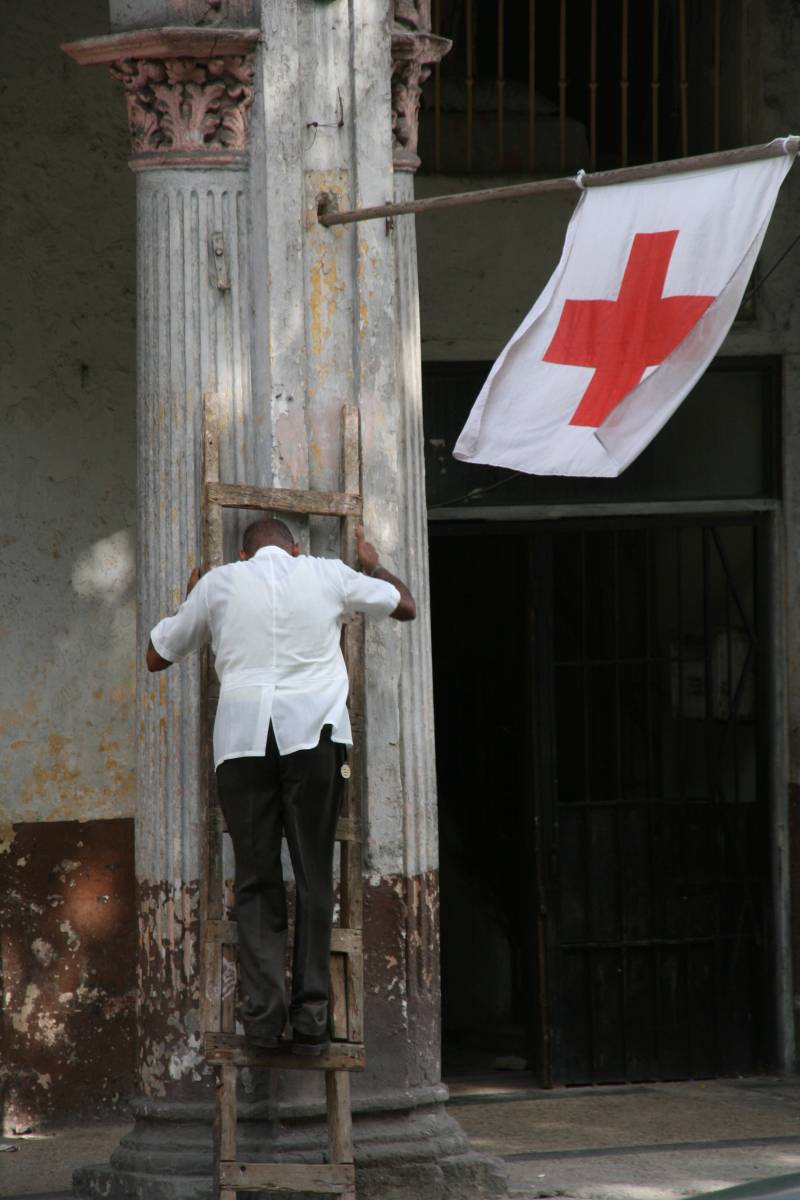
(548, 86)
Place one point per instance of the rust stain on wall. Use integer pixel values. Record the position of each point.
(401, 963)
(67, 940)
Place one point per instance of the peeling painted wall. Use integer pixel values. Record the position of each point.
(68, 944)
(67, 394)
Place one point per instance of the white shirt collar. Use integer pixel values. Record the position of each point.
(270, 549)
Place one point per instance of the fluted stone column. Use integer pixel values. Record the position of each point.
(188, 94)
(331, 319)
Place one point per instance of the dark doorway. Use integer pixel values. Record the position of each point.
(604, 808)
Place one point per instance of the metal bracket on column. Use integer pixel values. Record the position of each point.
(219, 261)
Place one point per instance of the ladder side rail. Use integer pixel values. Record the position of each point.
(230, 958)
(351, 861)
(211, 889)
(340, 1125)
(337, 998)
(225, 1118)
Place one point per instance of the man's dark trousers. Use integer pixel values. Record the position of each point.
(298, 795)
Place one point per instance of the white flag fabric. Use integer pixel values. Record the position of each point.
(651, 276)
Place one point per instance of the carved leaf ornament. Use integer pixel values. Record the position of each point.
(415, 51)
(187, 105)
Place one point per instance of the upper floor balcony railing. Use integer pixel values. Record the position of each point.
(546, 86)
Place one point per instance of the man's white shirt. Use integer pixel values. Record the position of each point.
(274, 624)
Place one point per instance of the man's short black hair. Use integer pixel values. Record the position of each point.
(267, 531)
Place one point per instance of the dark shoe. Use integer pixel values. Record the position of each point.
(310, 1043)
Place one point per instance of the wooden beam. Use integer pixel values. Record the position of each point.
(323, 1179)
(231, 1048)
(288, 500)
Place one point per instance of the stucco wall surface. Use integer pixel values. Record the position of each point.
(67, 451)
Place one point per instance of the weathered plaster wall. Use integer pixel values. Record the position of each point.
(67, 452)
(66, 588)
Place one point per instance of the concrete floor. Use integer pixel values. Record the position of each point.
(650, 1142)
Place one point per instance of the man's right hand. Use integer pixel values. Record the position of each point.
(365, 551)
(368, 561)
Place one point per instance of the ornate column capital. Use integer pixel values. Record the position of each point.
(188, 91)
(415, 50)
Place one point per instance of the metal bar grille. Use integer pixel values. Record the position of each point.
(531, 84)
(684, 82)
(549, 87)
(624, 86)
(562, 86)
(470, 80)
(437, 91)
(655, 879)
(655, 84)
(500, 83)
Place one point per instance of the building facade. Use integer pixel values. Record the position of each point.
(613, 681)
(634, 637)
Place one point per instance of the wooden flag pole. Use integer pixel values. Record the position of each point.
(327, 214)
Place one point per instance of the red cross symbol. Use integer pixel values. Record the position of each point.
(621, 338)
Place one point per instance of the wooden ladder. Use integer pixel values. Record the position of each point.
(224, 1048)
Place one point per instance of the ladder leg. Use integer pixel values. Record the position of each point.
(224, 1126)
(340, 1124)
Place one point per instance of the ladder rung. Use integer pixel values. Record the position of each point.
(343, 941)
(225, 932)
(232, 1048)
(346, 941)
(348, 829)
(324, 1179)
(288, 500)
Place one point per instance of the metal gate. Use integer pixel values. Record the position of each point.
(652, 800)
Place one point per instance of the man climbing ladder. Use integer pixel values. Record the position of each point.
(274, 620)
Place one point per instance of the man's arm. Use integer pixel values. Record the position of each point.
(155, 661)
(368, 561)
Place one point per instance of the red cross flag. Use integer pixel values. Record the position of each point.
(650, 279)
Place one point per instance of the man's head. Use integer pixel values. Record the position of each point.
(267, 532)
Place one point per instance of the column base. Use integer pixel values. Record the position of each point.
(418, 1152)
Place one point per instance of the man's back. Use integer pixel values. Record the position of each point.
(274, 622)
(278, 616)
